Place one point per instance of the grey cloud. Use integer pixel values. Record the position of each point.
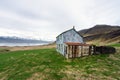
(61, 15)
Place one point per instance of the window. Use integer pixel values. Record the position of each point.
(59, 46)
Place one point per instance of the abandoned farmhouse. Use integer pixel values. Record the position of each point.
(71, 44)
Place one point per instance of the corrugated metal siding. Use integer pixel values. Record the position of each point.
(72, 36)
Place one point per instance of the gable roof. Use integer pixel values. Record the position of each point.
(70, 30)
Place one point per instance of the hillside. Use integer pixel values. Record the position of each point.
(102, 33)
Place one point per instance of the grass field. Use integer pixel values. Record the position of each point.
(47, 64)
(115, 45)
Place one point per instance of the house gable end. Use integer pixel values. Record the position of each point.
(69, 36)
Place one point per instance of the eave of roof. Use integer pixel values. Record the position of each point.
(76, 44)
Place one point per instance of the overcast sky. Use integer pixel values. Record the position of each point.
(45, 19)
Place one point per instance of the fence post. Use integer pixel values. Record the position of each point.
(94, 49)
(81, 50)
(90, 47)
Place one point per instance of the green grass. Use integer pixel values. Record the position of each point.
(115, 45)
(47, 64)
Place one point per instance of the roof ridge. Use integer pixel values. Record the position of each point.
(66, 31)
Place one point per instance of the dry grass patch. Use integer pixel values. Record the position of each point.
(37, 76)
(113, 57)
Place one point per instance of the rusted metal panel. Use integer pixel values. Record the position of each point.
(76, 44)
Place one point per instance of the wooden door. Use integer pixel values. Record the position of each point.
(75, 51)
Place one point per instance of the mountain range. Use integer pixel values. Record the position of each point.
(20, 40)
(101, 34)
